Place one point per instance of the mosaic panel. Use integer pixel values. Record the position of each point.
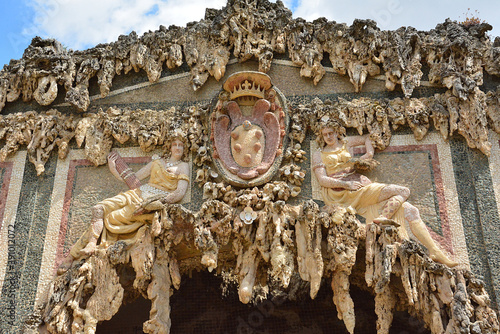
(418, 166)
(11, 174)
(5, 174)
(79, 185)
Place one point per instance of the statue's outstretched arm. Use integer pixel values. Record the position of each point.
(361, 141)
(141, 174)
(178, 194)
(112, 165)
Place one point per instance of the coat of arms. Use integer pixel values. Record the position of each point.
(249, 125)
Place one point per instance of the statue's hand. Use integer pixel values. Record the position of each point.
(153, 203)
(112, 156)
(354, 185)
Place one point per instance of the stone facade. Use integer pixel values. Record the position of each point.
(428, 100)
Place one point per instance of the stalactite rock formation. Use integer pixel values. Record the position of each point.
(259, 236)
(443, 298)
(457, 55)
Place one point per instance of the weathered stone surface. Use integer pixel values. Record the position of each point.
(90, 292)
(253, 236)
(266, 252)
(456, 54)
(42, 132)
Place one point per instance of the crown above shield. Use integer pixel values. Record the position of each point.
(249, 122)
(247, 87)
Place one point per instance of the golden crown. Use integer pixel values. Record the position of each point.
(247, 86)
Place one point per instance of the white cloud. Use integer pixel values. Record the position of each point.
(392, 14)
(80, 24)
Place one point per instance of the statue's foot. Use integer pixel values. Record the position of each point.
(383, 221)
(65, 265)
(89, 249)
(438, 256)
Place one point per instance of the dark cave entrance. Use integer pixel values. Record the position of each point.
(199, 307)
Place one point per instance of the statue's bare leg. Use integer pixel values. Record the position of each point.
(95, 230)
(65, 264)
(395, 196)
(420, 231)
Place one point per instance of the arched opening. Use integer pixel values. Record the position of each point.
(199, 306)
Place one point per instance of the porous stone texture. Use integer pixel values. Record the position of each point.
(43, 132)
(262, 239)
(261, 258)
(456, 54)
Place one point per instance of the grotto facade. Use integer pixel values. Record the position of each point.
(238, 212)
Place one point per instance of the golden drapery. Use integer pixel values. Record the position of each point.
(119, 221)
(365, 201)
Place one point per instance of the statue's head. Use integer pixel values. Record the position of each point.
(177, 145)
(328, 130)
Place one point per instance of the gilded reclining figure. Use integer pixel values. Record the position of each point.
(120, 217)
(377, 202)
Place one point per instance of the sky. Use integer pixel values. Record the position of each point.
(81, 24)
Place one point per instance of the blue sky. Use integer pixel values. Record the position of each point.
(13, 17)
(80, 24)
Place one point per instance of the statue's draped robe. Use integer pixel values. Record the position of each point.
(364, 200)
(120, 223)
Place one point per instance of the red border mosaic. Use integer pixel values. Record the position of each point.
(73, 164)
(4, 189)
(444, 240)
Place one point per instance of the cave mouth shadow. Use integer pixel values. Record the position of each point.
(199, 306)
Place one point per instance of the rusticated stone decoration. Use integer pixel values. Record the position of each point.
(43, 132)
(248, 129)
(456, 54)
(252, 222)
(265, 252)
(252, 235)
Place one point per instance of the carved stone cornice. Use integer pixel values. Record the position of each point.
(456, 55)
